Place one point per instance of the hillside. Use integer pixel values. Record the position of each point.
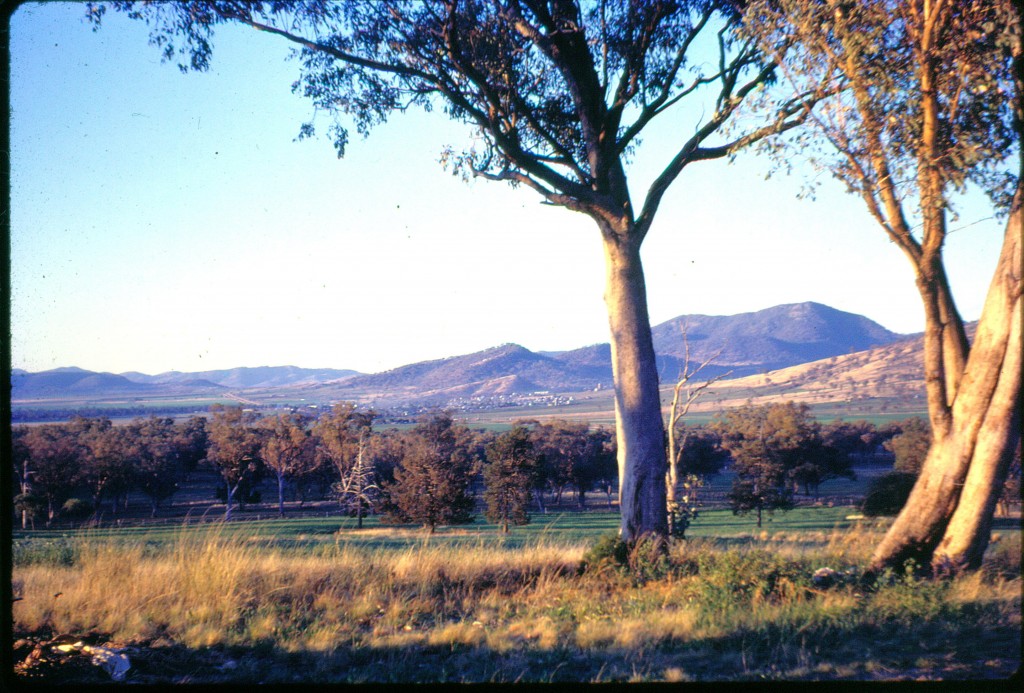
(507, 368)
(894, 372)
(71, 382)
(750, 343)
(76, 383)
(782, 337)
(262, 376)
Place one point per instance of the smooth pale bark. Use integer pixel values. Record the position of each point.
(997, 347)
(638, 425)
(947, 517)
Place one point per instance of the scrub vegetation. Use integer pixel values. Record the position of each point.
(242, 602)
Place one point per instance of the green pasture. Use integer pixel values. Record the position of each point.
(312, 535)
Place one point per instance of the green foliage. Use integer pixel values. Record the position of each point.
(648, 559)
(234, 449)
(910, 445)
(569, 453)
(734, 580)
(508, 477)
(29, 504)
(644, 560)
(686, 508)
(75, 509)
(888, 493)
(432, 482)
(58, 551)
(609, 551)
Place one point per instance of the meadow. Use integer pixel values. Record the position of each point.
(317, 601)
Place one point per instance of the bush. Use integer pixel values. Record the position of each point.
(647, 559)
(76, 509)
(888, 493)
(608, 551)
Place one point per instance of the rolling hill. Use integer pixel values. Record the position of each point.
(262, 376)
(749, 343)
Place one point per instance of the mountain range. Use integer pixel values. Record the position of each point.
(743, 344)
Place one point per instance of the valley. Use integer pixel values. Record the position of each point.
(861, 370)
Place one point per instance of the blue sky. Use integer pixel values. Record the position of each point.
(167, 221)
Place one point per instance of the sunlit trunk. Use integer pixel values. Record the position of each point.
(230, 499)
(947, 517)
(638, 425)
(996, 352)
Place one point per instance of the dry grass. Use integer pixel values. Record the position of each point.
(477, 613)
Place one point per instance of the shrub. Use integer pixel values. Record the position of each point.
(608, 551)
(75, 509)
(648, 558)
(888, 493)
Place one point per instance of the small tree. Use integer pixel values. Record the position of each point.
(286, 449)
(107, 464)
(234, 449)
(572, 455)
(158, 457)
(508, 478)
(358, 486)
(431, 485)
(910, 446)
(341, 436)
(687, 390)
(888, 493)
(766, 443)
(193, 440)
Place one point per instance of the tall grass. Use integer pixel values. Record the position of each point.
(479, 612)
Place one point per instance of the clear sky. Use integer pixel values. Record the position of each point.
(167, 221)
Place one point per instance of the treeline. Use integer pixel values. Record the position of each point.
(430, 474)
(438, 471)
(21, 415)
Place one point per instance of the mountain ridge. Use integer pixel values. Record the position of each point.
(745, 344)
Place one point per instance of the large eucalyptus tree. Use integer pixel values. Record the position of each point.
(932, 103)
(559, 93)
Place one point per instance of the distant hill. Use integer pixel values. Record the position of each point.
(507, 368)
(262, 376)
(893, 372)
(750, 343)
(71, 382)
(78, 383)
(772, 338)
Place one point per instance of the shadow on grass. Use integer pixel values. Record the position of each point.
(923, 649)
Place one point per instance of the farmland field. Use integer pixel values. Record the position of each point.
(316, 600)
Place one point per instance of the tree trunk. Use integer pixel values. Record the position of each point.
(947, 517)
(996, 351)
(638, 425)
(229, 498)
(280, 494)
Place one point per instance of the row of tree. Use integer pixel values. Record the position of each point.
(427, 474)
(430, 474)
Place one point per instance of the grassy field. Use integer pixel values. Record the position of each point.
(315, 600)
